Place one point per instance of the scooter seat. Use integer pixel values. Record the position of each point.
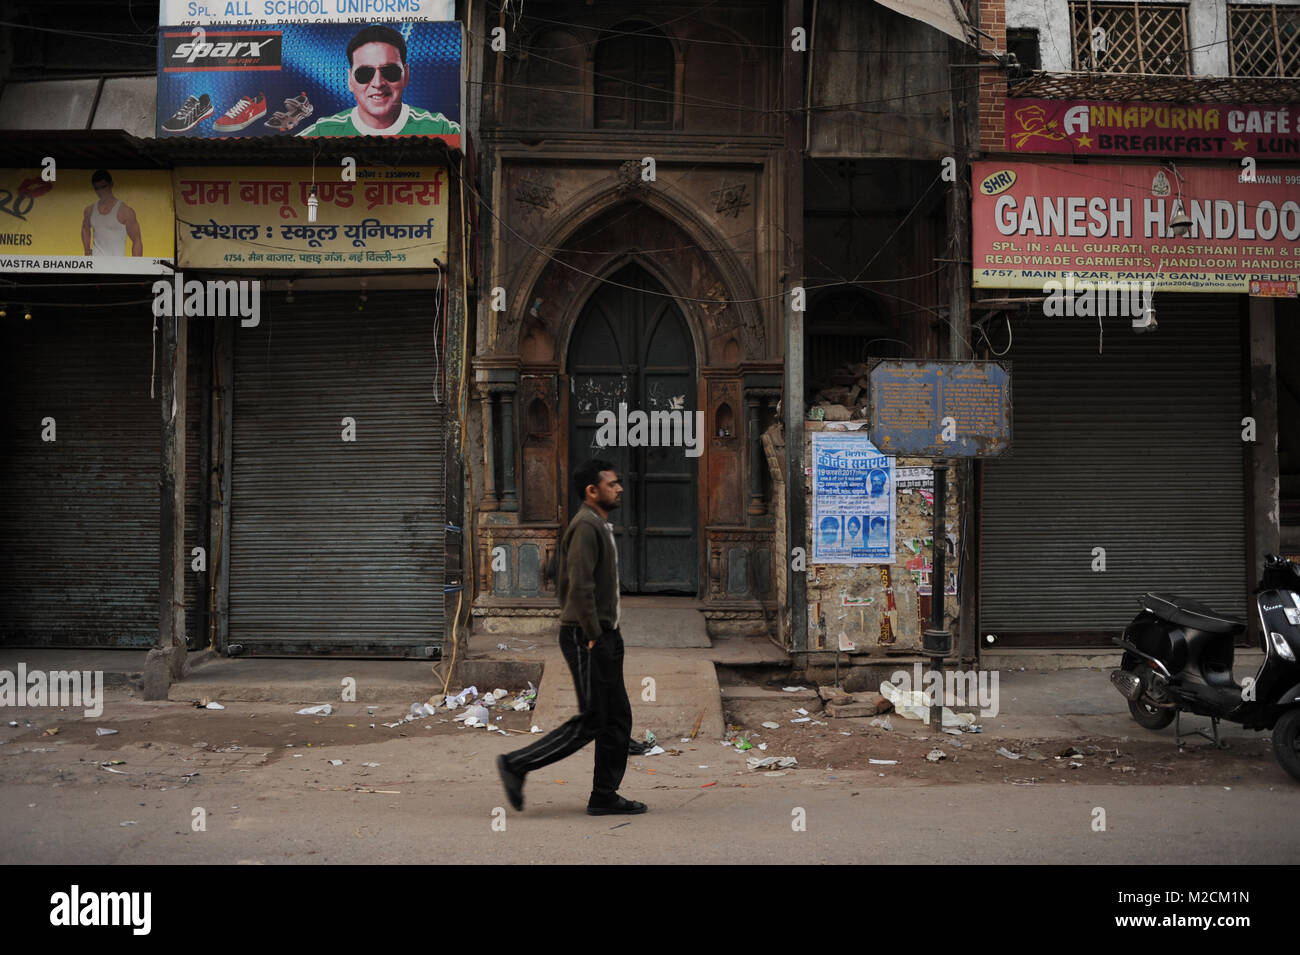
(1189, 613)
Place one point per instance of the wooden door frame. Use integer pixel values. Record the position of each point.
(564, 347)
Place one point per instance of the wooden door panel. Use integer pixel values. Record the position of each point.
(632, 345)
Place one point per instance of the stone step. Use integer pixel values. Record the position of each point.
(685, 686)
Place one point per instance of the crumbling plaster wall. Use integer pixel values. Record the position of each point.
(856, 600)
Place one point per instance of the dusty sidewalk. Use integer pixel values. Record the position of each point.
(1067, 727)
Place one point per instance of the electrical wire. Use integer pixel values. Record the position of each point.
(107, 37)
(688, 40)
(704, 103)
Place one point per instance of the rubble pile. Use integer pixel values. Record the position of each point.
(843, 705)
(846, 398)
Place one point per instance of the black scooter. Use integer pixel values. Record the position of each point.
(1178, 656)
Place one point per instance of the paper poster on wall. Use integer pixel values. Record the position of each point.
(853, 501)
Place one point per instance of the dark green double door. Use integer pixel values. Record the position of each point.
(631, 346)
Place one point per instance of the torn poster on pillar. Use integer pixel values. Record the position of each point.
(853, 509)
(922, 571)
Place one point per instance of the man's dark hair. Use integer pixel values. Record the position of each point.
(378, 34)
(878, 521)
(588, 473)
(101, 175)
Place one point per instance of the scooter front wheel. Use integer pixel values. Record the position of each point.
(1152, 717)
(1285, 742)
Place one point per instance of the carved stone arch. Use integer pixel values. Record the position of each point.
(666, 277)
(737, 291)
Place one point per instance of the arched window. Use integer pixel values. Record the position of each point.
(546, 86)
(634, 79)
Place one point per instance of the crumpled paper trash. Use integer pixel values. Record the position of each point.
(323, 710)
(474, 716)
(771, 762)
(460, 699)
(911, 705)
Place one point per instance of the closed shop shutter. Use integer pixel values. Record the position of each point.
(338, 546)
(79, 515)
(1137, 451)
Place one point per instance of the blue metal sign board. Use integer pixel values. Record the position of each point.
(941, 409)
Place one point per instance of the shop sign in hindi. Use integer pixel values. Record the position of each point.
(228, 217)
(1038, 222)
(853, 500)
(98, 221)
(941, 409)
(1189, 130)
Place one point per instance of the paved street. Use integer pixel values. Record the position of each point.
(268, 792)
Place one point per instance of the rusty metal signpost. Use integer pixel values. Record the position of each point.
(941, 410)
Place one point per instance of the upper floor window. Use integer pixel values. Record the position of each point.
(634, 79)
(1130, 37)
(1264, 40)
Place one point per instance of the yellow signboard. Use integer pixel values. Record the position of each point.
(260, 218)
(83, 220)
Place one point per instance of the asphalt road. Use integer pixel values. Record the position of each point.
(260, 781)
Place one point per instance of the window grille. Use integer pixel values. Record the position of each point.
(1265, 40)
(1130, 37)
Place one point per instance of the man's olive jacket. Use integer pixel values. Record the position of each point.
(587, 575)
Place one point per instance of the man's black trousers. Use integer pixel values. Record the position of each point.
(604, 714)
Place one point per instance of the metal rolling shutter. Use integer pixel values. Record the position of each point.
(79, 516)
(1137, 450)
(338, 547)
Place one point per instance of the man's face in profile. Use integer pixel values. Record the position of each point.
(377, 79)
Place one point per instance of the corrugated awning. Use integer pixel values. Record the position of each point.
(1152, 88)
(947, 16)
(114, 147)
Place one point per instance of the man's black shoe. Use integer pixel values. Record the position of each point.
(513, 782)
(637, 748)
(619, 807)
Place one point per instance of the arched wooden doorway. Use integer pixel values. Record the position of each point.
(631, 346)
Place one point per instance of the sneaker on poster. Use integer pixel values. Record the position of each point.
(243, 114)
(195, 111)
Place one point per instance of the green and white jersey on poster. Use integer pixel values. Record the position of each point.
(412, 122)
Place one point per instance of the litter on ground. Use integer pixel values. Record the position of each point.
(771, 762)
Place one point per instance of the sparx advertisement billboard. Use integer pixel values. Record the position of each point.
(245, 217)
(103, 221)
(309, 68)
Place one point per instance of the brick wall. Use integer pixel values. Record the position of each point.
(993, 84)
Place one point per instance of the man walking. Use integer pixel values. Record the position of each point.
(587, 584)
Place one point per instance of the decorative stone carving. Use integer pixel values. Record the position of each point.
(535, 194)
(629, 176)
(729, 199)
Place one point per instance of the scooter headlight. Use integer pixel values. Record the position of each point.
(1280, 645)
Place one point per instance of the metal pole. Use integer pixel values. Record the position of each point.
(795, 512)
(938, 640)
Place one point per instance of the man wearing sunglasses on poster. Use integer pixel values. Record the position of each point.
(377, 77)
